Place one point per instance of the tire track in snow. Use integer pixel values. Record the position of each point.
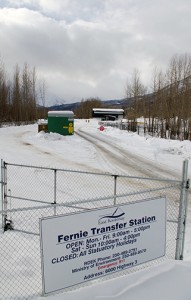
(125, 161)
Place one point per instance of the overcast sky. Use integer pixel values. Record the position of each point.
(89, 48)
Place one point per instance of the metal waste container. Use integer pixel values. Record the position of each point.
(61, 122)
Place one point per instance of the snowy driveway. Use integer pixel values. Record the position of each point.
(120, 160)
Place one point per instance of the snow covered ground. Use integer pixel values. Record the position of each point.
(18, 144)
(24, 145)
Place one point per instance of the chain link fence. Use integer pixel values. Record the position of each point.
(30, 193)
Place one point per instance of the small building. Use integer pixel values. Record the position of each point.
(107, 114)
(61, 122)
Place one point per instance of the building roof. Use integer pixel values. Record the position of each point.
(108, 110)
(60, 113)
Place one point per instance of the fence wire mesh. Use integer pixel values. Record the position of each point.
(34, 192)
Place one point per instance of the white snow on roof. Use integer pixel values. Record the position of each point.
(108, 110)
(59, 113)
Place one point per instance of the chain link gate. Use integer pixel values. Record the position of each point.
(29, 193)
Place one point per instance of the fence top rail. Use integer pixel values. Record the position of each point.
(94, 173)
(73, 204)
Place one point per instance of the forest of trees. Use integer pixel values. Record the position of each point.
(167, 108)
(18, 97)
(165, 105)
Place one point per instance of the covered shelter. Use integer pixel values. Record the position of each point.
(107, 114)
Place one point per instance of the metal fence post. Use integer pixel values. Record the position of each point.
(5, 199)
(182, 213)
(2, 193)
(185, 216)
(115, 189)
(55, 173)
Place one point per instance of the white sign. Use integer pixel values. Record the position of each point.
(83, 246)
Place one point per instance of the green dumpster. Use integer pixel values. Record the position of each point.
(61, 122)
